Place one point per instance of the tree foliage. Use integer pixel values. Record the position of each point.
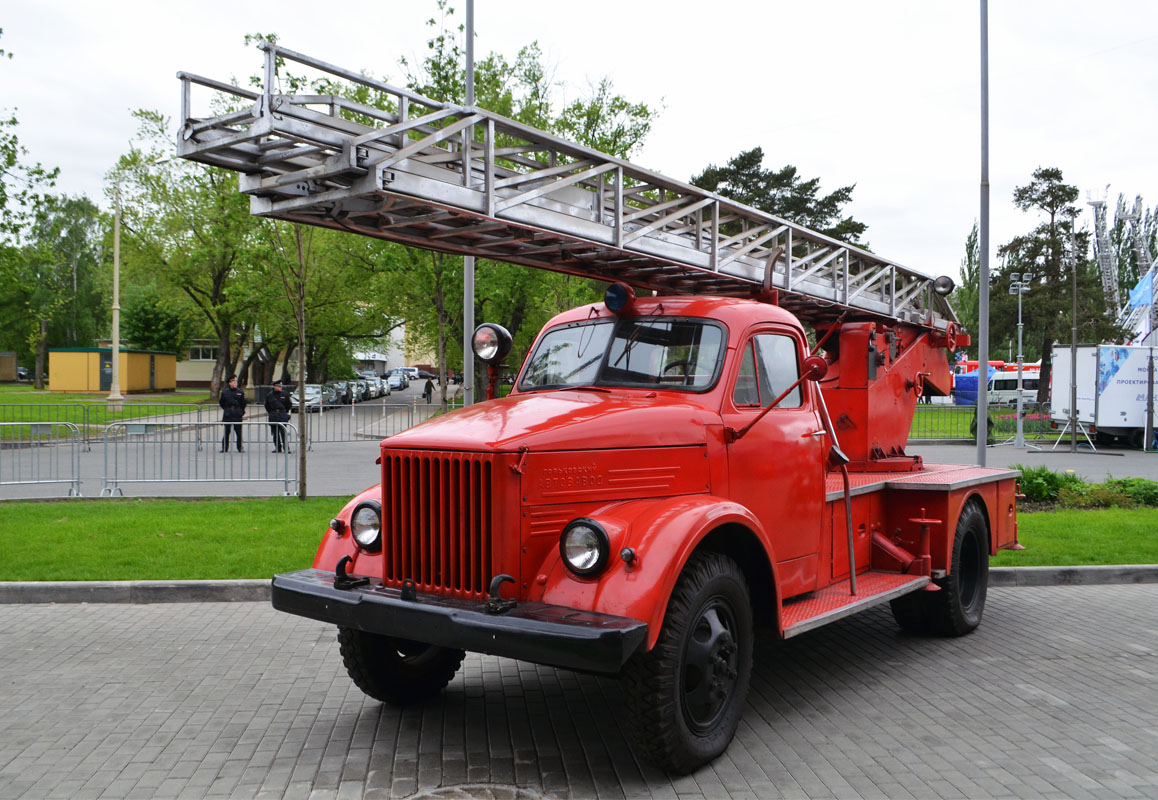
(964, 299)
(1053, 251)
(784, 194)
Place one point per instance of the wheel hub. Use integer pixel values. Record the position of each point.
(710, 667)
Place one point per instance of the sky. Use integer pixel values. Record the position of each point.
(884, 94)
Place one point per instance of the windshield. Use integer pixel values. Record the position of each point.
(676, 353)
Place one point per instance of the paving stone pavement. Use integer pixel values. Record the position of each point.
(1054, 696)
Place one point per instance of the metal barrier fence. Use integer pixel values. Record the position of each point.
(366, 421)
(945, 422)
(38, 453)
(148, 451)
(90, 419)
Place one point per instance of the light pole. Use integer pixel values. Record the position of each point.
(1019, 284)
(115, 398)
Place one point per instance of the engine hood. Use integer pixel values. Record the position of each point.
(564, 420)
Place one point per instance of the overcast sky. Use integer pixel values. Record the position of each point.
(883, 94)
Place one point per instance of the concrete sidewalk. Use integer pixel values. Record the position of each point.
(1053, 696)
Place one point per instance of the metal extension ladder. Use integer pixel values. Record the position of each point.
(465, 180)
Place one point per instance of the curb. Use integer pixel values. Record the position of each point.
(237, 591)
(254, 591)
(1073, 576)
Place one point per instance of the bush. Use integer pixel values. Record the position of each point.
(1097, 495)
(1043, 485)
(1142, 491)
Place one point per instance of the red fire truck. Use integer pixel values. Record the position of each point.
(670, 470)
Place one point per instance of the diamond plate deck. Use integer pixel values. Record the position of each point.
(830, 604)
(934, 476)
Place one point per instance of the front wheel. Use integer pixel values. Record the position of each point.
(685, 696)
(397, 671)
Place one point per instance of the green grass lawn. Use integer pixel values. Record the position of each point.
(87, 411)
(137, 539)
(27, 394)
(1073, 538)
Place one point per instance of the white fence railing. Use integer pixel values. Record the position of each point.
(38, 453)
(145, 451)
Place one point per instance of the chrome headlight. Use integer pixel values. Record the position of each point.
(584, 547)
(490, 342)
(366, 525)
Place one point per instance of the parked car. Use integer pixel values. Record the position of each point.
(427, 376)
(23, 374)
(317, 397)
(404, 378)
(358, 389)
(396, 380)
(376, 386)
(342, 392)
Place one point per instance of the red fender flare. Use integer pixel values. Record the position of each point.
(332, 547)
(663, 533)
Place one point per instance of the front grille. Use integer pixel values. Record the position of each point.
(437, 521)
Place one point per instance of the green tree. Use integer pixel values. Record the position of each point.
(964, 299)
(784, 194)
(1048, 251)
(427, 288)
(188, 228)
(53, 291)
(150, 320)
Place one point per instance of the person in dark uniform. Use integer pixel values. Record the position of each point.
(232, 404)
(277, 405)
(428, 392)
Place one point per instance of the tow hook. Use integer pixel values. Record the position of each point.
(343, 580)
(496, 604)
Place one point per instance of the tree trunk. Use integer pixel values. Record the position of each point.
(1046, 370)
(41, 355)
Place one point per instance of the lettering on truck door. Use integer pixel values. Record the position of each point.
(777, 469)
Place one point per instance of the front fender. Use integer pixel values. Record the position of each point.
(334, 546)
(663, 533)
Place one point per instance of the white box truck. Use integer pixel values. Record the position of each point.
(1116, 386)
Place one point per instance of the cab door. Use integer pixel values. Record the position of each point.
(776, 469)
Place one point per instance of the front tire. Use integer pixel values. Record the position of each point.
(397, 671)
(686, 695)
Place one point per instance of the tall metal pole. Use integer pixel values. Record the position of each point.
(1148, 436)
(1074, 353)
(468, 261)
(1019, 440)
(115, 393)
(983, 289)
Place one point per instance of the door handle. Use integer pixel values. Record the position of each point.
(814, 433)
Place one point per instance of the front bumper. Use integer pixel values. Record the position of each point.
(536, 632)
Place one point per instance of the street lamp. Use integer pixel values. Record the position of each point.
(1019, 284)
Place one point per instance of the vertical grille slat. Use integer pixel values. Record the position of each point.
(438, 521)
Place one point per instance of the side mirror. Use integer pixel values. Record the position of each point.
(815, 368)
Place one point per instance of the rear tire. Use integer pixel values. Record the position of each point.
(686, 695)
(397, 671)
(956, 609)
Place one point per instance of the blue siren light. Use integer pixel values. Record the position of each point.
(618, 297)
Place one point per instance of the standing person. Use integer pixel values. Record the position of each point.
(232, 404)
(277, 405)
(428, 392)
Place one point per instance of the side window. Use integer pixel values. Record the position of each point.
(769, 367)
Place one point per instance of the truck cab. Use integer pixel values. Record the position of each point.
(665, 475)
